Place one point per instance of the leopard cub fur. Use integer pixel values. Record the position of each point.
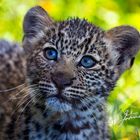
(69, 68)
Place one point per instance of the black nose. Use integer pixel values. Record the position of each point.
(62, 79)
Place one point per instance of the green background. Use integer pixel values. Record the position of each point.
(124, 102)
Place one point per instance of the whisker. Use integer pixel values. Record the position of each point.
(22, 101)
(85, 104)
(28, 103)
(28, 94)
(24, 109)
(46, 90)
(7, 90)
(15, 96)
(45, 85)
(95, 99)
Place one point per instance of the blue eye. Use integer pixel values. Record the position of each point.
(51, 53)
(87, 61)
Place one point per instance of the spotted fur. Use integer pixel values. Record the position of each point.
(12, 74)
(66, 101)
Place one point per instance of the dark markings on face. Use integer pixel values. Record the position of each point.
(73, 39)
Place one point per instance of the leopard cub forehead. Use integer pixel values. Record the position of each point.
(76, 37)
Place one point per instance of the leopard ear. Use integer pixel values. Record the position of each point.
(123, 44)
(36, 21)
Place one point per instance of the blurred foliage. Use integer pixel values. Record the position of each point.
(124, 101)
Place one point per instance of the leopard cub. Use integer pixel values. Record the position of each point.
(71, 67)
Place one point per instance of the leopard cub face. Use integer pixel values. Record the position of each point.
(72, 62)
